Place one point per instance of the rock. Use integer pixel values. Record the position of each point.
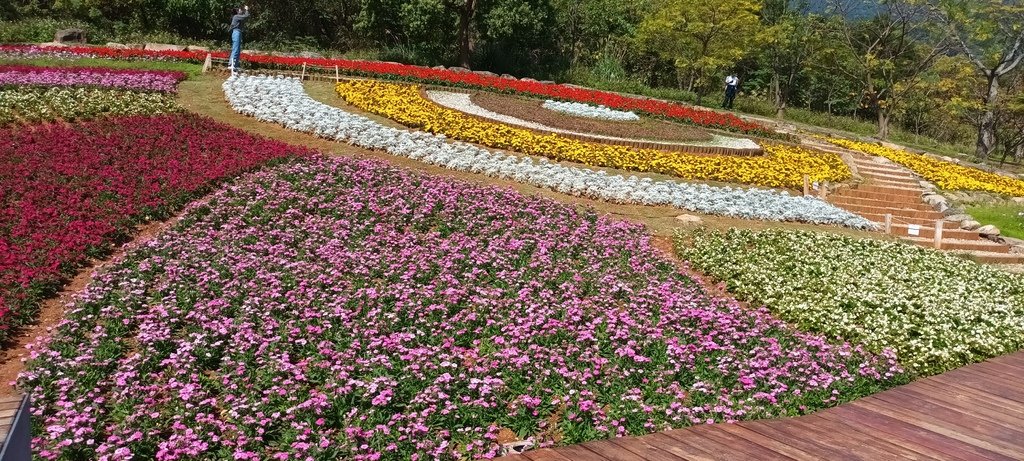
(689, 219)
(1014, 242)
(527, 79)
(163, 47)
(438, 67)
(135, 46)
(458, 69)
(549, 82)
(116, 46)
(508, 76)
(958, 217)
(485, 73)
(196, 48)
(942, 207)
(988, 230)
(305, 54)
(1018, 200)
(69, 36)
(934, 200)
(970, 224)
(882, 160)
(927, 185)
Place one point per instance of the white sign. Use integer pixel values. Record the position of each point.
(913, 229)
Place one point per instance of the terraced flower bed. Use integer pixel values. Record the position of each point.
(28, 105)
(342, 309)
(936, 311)
(946, 175)
(781, 166)
(68, 191)
(125, 79)
(284, 101)
(531, 109)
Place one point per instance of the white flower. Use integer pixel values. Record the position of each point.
(284, 101)
(586, 110)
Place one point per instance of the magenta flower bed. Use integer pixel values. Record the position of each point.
(68, 191)
(128, 79)
(341, 309)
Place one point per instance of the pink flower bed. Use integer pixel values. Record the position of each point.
(68, 191)
(127, 79)
(342, 309)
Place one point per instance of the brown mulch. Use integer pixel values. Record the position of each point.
(645, 128)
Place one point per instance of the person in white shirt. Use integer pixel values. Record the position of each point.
(731, 86)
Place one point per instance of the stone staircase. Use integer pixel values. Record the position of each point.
(890, 189)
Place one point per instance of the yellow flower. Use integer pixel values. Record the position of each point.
(780, 166)
(946, 175)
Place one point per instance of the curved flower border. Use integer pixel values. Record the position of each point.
(284, 101)
(579, 109)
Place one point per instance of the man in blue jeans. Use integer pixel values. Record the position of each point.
(237, 24)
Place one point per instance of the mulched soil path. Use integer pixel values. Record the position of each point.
(646, 128)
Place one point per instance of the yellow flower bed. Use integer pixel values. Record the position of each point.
(781, 166)
(946, 175)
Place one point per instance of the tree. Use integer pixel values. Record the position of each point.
(700, 37)
(888, 53)
(991, 34)
(790, 37)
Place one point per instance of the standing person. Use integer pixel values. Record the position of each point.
(731, 86)
(237, 24)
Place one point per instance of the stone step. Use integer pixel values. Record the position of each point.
(841, 200)
(901, 220)
(968, 245)
(872, 172)
(896, 212)
(949, 230)
(891, 190)
(992, 258)
(910, 184)
(901, 199)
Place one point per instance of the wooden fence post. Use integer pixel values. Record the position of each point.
(303, 76)
(208, 63)
(337, 74)
(938, 234)
(888, 224)
(822, 189)
(807, 185)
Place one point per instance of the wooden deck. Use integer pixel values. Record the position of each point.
(973, 413)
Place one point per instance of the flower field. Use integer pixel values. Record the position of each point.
(284, 101)
(68, 191)
(586, 110)
(782, 166)
(125, 79)
(26, 105)
(946, 175)
(936, 311)
(667, 109)
(343, 309)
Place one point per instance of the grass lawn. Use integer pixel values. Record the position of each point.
(191, 69)
(1008, 218)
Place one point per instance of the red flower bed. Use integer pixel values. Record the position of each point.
(680, 112)
(69, 191)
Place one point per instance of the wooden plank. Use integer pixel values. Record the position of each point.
(734, 443)
(953, 418)
(691, 436)
(641, 448)
(869, 446)
(680, 449)
(895, 435)
(543, 454)
(1016, 359)
(979, 408)
(985, 385)
(797, 437)
(1011, 406)
(783, 449)
(891, 427)
(996, 370)
(578, 453)
(608, 450)
(958, 432)
(823, 431)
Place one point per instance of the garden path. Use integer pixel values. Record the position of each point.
(972, 413)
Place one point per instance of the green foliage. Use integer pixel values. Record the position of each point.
(33, 30)
(1008, 218)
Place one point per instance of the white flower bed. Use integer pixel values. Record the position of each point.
(462, 102)
(579, 109)
(284, 101)
(935, 310)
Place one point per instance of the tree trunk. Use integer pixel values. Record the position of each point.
(465, 35)
(778, 98)
(987, 124)
(883, 123)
